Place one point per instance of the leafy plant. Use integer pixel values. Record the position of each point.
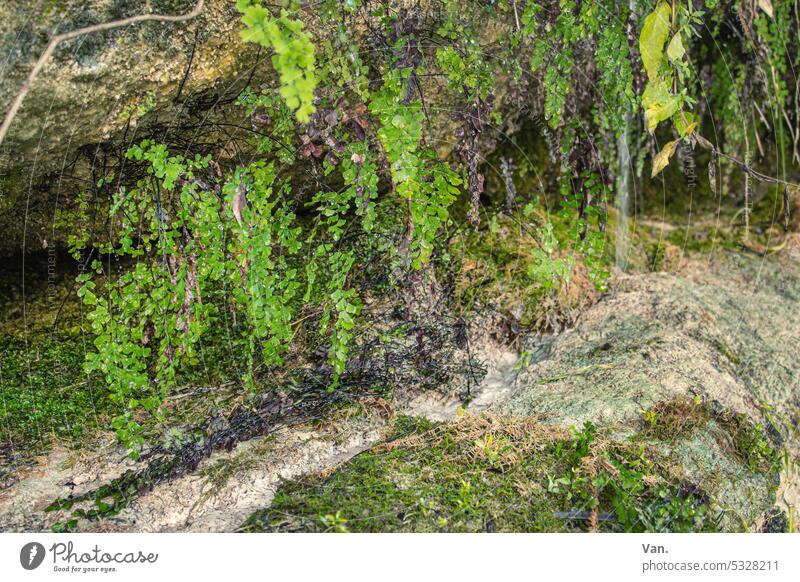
(150, 318)
(666, 72)
(335, 522)
(294, 53)
(346, 164)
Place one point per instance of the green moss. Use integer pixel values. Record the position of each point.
(751, 443)
(732, 456)
(44, 392)
(493, 268)
(523, 265)
(676, 418)
(726, 351)
(699, 240)
(491, 474)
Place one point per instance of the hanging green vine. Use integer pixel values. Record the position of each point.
(347, 147)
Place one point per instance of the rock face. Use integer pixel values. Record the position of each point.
(101, 91)
(83, 92)
(723, 330)
(98, 86)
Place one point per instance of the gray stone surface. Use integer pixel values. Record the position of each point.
(726, 329)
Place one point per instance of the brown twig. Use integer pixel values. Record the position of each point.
(707, 145)
(59, 38)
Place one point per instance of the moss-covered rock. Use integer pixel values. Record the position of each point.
(721, 332)
(666, 408)
(724, 329)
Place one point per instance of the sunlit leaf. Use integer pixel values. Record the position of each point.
(766, 6)
(685, 123)
(675, 50)
(659, 104)
(661, 159)
(651, 40)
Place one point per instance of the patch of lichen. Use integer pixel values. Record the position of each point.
(486, 473)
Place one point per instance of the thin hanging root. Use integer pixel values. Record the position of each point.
(786, 211)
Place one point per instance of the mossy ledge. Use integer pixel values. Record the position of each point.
(490, 473)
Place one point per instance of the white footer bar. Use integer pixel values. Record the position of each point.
(408, 557)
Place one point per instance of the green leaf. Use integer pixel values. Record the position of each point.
(675, 50)
(661, 160)
(659, 104)
(293, 56)
(651, 40)
(685, 123)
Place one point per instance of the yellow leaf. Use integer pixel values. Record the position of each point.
(661, 160)
(766, 6)
(684, 123)
(651, 41)
(658, 112)
(659, 104)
